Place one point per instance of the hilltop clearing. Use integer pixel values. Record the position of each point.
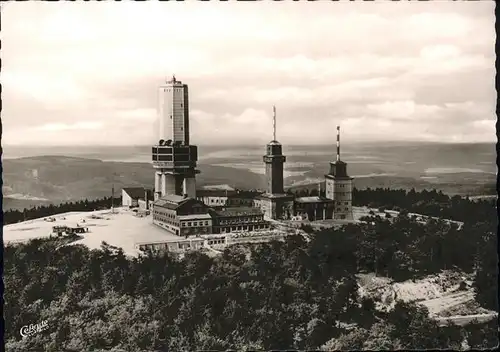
(448, 296)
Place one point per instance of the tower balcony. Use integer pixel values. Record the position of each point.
(174, 157)
(274, 158)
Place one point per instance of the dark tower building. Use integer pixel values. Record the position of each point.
(275, 203)
(274, 160)
(338, 186)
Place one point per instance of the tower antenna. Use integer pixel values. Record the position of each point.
(338, 143)
(113, 194)
(274, 123)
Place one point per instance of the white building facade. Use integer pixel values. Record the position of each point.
(173, 111)
(339, 186)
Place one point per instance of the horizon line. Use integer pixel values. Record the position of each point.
(248, 144)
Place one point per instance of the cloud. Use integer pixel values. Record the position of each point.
(250, 124)
(147, 115)
(84, 125)
(403, 110)
(383, 71)
(42, 87)
(439, 52)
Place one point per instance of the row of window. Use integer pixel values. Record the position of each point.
(164, 212)
(218, 201)
(195, 230)
(184, 245)
(313, 205)
(166, 220)
(145, 247)
(172, 90)
(340, 209)
(225, 201)
(240, 228)
(241, 201)
(215, 241)
(162, 157)
(195, 223)
(184, 224)
(342, 194)
(169, 218)
(160, 246)
(239, 220)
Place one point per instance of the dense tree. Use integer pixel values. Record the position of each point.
(278, 295)
(13, 216)
(432, 203)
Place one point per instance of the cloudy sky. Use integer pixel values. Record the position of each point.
(87, 73)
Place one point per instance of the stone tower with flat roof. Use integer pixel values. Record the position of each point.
(275, 203)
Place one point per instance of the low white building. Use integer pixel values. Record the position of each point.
(136, 196)
(218, 198)
(175, 246)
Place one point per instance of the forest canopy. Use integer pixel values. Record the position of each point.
(301, 293)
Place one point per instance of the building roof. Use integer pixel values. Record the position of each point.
(275, 196)
(224, 186)
(171, 241)
(195, 217)
(138, 192)
(248, 194)
(229, 193)
(314, 199)
(340, 178)
(214, 193)
(171, 201)
(237, 211)
(338, 169)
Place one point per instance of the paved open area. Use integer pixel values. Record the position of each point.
(121, 229)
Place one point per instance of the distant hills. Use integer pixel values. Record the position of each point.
(36, 180)
(483, 184)
(54, 179)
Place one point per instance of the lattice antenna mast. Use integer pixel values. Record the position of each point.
(338, 143)
(113, 194)
(274, 123)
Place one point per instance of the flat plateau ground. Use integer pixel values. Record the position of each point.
(121, 229)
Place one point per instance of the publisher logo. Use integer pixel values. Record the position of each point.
(32, 329)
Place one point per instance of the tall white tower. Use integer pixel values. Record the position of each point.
(174, 111)
(174, 159)
(339, 186)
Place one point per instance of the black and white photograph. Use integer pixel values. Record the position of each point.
(249, 176)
